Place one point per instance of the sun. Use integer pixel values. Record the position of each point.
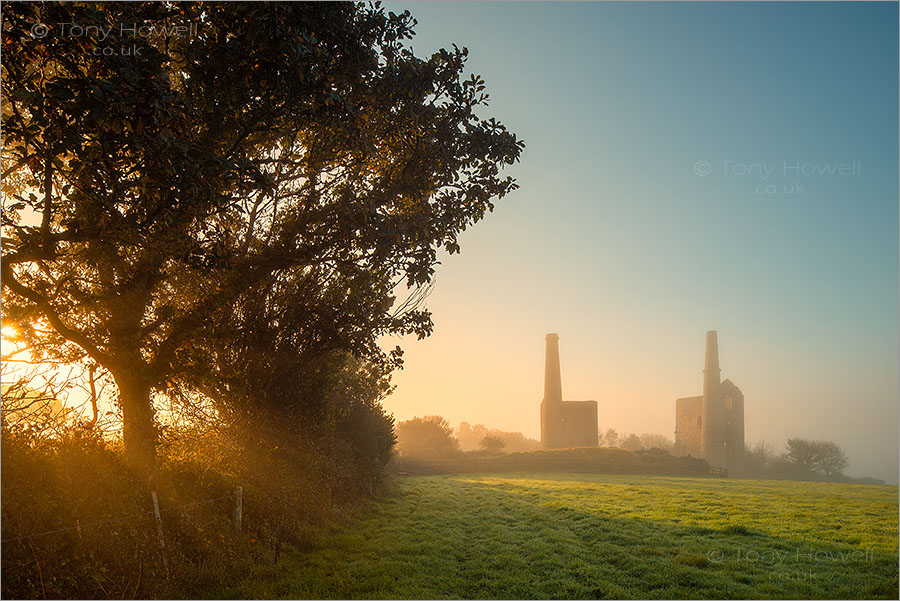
(10, 333)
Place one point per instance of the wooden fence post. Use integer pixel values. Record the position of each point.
(238, 507)
(159, 532)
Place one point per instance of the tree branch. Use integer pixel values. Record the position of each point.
(48, 207)
(43, 305)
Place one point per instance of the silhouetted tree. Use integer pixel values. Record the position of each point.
(278, 149)
(470, 438)
(631, 443)
(610, 438)
(429, 437)
(819, 456)
(493, 444)
(656, 441)
(830, 458)
(463, 434)
(800, 452)
(759, 458)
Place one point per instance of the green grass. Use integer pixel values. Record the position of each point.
(602, 536)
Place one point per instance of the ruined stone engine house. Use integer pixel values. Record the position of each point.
(711, 426)
(564, 424)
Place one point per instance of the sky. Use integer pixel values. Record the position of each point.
(688, 167)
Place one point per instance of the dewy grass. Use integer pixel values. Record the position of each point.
(602, 536)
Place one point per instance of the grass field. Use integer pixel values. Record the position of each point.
(602, 536)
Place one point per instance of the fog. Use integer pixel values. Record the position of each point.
(645, 218)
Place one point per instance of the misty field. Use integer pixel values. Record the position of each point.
(602, 536)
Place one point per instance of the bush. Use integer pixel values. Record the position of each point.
(77, 522)
(492, 444)
(102, 539)
(429, 438)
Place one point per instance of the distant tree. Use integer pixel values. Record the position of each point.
(656, 441)
(464, 434)
(470, 438)
(517, 442)
(830, 458)
(759, 458)
(801, 453)
(631, 443)
(429, 437)
(479, 431)
(610, 438)
(292, 150)
(818, 456)
(491, 443)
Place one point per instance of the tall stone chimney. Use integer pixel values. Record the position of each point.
(551, 406)
(712, 427)
(711, 371)
(552, 379)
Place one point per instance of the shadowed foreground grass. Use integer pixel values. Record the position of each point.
(602, 536)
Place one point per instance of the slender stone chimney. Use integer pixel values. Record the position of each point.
(712, 428)
(551, 406)
(711, 371)
(552, 379)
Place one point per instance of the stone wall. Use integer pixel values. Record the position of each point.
(688, 420)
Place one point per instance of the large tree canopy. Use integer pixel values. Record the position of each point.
(175, 169)
(820, 456)
(429, 437)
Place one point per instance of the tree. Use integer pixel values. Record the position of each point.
(470, 438)
(658, 441)
(263, 152)
(429, 437)
(819, 456)
(610, 438)
(830, 458)
(464, 435)
(801, 453)
(759, 458)
(631, 443)
(493, 444)
(516, 442)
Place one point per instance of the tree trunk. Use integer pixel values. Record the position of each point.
(137, 422)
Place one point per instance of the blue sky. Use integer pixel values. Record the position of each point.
(643, 218)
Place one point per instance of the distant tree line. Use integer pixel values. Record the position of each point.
(432, 437)
(430, 445)
(635, 442)
(801, 459)
(480, 437)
